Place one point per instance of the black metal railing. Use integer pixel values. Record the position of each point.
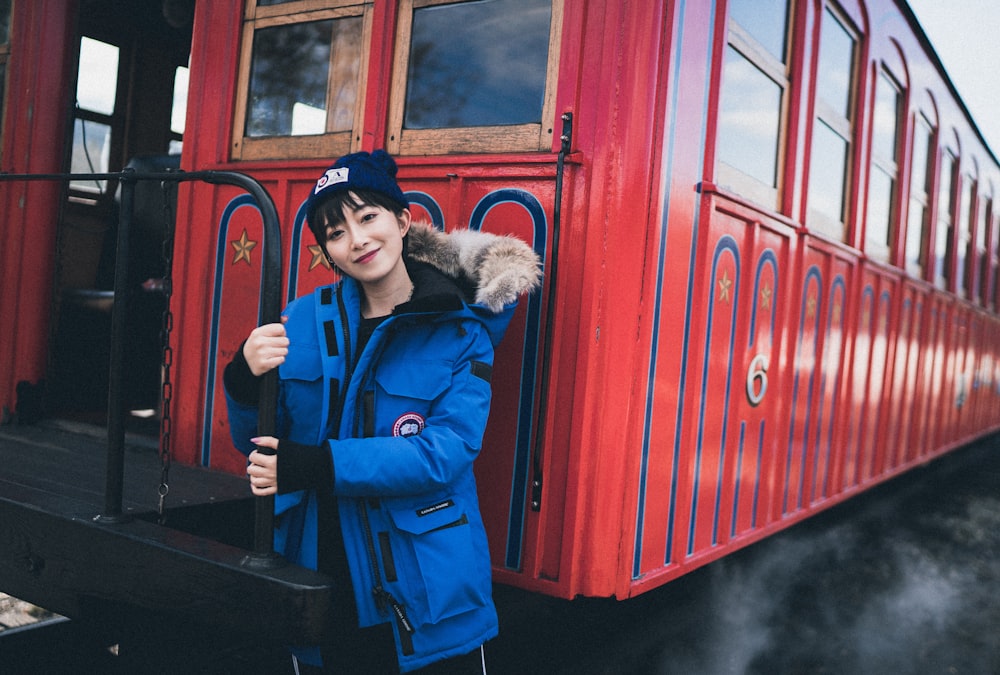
(263, 554)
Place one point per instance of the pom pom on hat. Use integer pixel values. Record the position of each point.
(357, 171)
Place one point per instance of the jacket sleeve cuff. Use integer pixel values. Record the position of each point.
(303, 467)
(241, 384)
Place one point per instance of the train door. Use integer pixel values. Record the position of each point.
(128, 110)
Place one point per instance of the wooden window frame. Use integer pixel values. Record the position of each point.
(780, 73)
(531, 137)
(331, 144)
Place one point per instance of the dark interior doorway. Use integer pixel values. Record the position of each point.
(128, 111)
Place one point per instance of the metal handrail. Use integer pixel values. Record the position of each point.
(263, 554)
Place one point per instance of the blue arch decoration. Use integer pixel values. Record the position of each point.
(532, 330)
(768, 259)
(813, 276)
(213, 348)
(726, 244)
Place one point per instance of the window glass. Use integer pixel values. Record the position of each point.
(964, 252)
(179, 110)
(96, 90)
(886, 119)
(765, 20)
(942, 232)
(477, 64)
(880, 191)
(752, 104)
(914, 243)
(833, 130)
(918, 224)
(880, 225)
(291, 72)
(828, 171)
(984, 220)
(749, 123)
(4, 21)
(836, 65)
(91, 153)
(97, 79)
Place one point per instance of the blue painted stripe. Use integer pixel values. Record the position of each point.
(756, 482)
(739, 479)
(532, 330)
(725, 243)
(665, 183)
(812, 276)
(221, 255)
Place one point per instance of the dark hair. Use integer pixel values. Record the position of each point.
(331, 211)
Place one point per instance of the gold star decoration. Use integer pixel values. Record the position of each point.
(318, 258)
(810, 306)
(765, 297)
(725, 283)
(243, 246)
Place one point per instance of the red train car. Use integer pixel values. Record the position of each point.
(769, 231)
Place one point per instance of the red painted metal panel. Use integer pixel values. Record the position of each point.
(41, 57)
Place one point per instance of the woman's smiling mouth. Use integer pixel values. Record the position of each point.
(366, 258)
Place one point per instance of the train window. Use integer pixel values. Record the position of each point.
(984, 220)
(918, 223)
(943, 230)
(178, 111)
(885, 168)
(96, 94)
(963, 251)
(833, 128)
(4, 22)
(302, 73)
(754, 95)
(994, 289)
(480, 76)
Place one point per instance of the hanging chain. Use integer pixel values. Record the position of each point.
(169, 190)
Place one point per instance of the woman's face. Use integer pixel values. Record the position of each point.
(368, 245)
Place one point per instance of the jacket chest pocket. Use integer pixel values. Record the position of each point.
(437, 561)
(302, 391)
(404, 390)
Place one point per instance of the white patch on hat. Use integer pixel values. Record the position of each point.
(332, 177)
(409, 424)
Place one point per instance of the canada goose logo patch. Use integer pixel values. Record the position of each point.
(409, 424)
(331, 177)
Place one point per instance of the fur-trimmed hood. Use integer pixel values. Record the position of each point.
(500, 268)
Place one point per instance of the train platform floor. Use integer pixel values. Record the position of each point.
(904, 578)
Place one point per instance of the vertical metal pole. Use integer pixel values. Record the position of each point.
(115, 476)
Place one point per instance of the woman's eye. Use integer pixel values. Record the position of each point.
(335, 234)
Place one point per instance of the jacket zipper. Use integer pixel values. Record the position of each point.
(384, 600)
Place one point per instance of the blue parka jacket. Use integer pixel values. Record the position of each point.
(404, 421)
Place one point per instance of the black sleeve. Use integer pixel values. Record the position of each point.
(240, 382)
(303, 467)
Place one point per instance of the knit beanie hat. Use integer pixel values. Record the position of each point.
(357, 171)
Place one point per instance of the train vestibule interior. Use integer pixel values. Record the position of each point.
(128, 111)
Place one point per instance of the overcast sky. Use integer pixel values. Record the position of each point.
(965, 35)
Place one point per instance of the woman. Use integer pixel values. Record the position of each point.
(384, 396)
